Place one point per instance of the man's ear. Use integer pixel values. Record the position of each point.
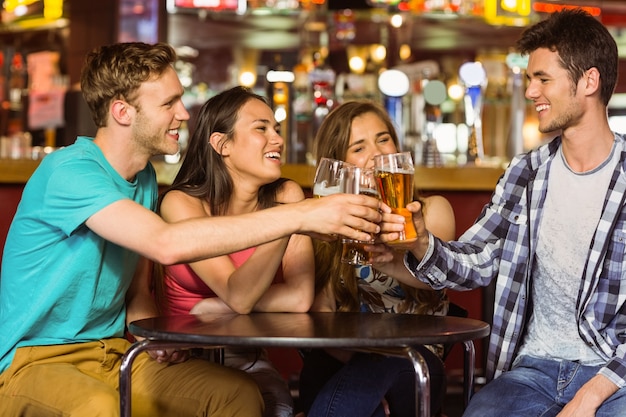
(122, 112)
(219, 143)
(592, 79)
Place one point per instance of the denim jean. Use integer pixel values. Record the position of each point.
(358, 387)
(539, 388)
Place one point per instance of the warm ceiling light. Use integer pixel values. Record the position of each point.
(247, 79)
(357, 57)
(356, 64)
(396, 20)
(378, 53)
(456, 92)
(405, 52)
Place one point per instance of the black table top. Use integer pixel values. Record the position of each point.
(309, 330)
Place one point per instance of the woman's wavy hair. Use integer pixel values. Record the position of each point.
(331, 141)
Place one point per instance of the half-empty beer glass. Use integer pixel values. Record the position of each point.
(355, 180)
(326, 180)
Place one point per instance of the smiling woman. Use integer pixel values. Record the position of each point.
(232, 166)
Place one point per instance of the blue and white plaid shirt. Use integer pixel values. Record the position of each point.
(501, 245)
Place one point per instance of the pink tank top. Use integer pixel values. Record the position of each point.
(183, 289)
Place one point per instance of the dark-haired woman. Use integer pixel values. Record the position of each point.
(232, 167)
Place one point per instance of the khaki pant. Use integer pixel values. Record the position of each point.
(82, 380)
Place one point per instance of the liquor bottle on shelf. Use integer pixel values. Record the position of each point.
(17, 92)
(17, 82)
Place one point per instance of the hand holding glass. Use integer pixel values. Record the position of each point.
(355, 180)
(394, 178)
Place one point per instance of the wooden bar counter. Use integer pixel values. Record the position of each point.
(467, 178)
(16, 171)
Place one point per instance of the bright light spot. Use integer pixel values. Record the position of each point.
(393, 83)
(396, 20)
(357, 64)
(379, 53)
(247, 79)
(405, 52)
(20, 10)
(280, 114)
(445, 135)
(456, 92)
(273, 76)
(462, 134)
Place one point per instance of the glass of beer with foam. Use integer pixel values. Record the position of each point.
(394, 179)
(326, 181)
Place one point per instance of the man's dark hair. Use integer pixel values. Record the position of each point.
(581, 41)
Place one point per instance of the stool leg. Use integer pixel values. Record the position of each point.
(125, 375)
(129, 358)
(469, 356)
(422, 383)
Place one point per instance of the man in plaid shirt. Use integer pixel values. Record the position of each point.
(553, 237)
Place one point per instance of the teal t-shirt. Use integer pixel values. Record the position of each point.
(60, 282)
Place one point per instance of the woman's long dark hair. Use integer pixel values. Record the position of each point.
(203, 173)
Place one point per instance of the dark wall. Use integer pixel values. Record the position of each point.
(92, 24)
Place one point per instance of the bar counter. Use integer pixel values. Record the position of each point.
(16, 171)
(466, 178)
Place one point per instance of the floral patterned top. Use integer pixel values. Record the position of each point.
(380, 293)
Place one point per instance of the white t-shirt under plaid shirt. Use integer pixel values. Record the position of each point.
(571, 212)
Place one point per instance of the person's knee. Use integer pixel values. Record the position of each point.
(248, 388)
(245, 399)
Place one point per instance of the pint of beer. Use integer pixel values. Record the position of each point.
(355, 180)
(394, 179)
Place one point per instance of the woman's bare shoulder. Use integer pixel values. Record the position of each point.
(439, 217)
(177, 205)
(290, 192)
(437, 202)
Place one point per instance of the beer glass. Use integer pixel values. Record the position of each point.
(326, 180)
(355, 180)
(394, 178)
